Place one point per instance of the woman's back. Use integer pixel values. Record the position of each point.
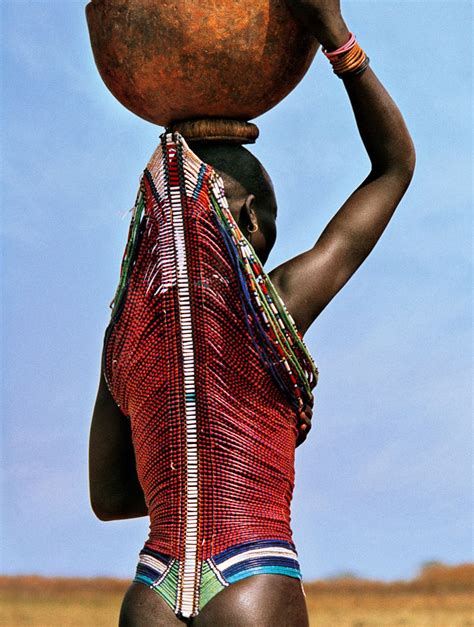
(213, 428)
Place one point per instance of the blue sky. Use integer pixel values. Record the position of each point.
(383, 482)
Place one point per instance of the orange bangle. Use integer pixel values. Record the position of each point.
(349, 67)
(345, 59)
(352, 61)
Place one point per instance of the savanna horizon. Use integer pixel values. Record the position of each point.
(439, 596)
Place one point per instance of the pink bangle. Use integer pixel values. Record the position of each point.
(347, 46)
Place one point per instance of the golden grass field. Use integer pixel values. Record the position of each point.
(442, 596)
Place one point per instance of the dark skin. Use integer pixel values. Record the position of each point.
(307, 284)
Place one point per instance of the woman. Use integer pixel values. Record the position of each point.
(270, 593)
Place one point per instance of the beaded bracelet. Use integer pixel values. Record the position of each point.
(349, 59)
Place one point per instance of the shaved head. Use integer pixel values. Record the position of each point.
(244, 175)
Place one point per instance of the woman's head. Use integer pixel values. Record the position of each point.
(248, 189)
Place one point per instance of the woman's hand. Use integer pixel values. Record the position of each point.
(304, 423)
(323, 19)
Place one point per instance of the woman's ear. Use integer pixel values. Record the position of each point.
(249, 214)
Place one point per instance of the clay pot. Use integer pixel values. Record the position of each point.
(171, 60)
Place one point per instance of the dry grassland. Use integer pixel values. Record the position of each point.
(441, 596)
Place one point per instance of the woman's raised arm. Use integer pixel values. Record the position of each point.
(308, 282)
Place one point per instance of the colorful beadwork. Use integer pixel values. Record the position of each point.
(204, 358)
(160, 572)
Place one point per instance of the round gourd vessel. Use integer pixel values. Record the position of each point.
(172, 60)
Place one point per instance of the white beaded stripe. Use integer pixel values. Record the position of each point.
(191, 565)
(263, 552)
(165, 257)
(153, 562)
(216, 572)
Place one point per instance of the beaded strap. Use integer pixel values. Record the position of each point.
(274, 323)
(132, 241)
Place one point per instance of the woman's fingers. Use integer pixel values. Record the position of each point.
(304, 422)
